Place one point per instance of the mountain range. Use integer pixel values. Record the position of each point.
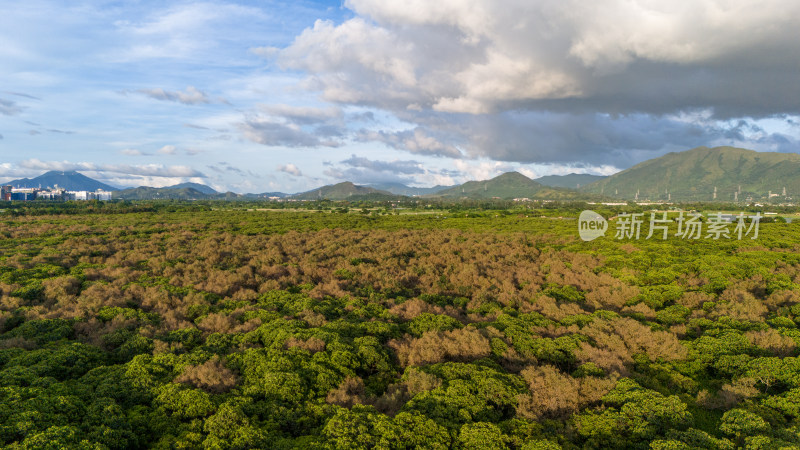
(699, 174)
(202, 188)
(572, 180)
(694, 175)
(70, 180)
(151, 193)
(408, 191)
(344, 191)
(507, 186)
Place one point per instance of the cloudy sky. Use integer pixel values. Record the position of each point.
(258, 96)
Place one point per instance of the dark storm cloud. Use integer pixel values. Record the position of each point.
(608, 81)
(593, 138)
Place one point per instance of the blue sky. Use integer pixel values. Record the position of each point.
(287, 96)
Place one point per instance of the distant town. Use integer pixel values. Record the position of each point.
(10, 193)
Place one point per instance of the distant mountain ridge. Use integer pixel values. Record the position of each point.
(175, 193)
(402, 189)
(196, 186)
(69, 180)
(571, 180)
(267, 195)
(693, 175)
(507, 186)
(343, 191)
(151, 193)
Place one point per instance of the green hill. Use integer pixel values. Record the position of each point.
(196, 186)
(506, 186)
(694, 174)
(344, 191)
(571, 180)
(173, 193)
(150, 193)
(408, 191)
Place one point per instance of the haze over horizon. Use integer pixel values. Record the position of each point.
(288, 96)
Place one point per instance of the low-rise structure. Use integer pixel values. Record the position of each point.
(9, 193)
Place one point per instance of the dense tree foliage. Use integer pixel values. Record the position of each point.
(181, 325)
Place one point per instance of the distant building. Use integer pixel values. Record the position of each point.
(52, 194)
(86, 195)
(79, 195)
(23, 195)
(8, 193)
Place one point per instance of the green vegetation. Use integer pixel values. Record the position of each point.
(692, 175)
(344, 191)
(150, 193)
(571, 181)
(508, 186)
(483, 325)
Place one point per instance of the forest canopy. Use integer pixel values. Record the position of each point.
(185, 326)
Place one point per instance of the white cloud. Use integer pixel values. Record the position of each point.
(266, 52)
(150, 170)
(437, 180)
(351, 61)
(679, 31)
(132, 152)
(9, 171)
(191, 96)
(556, 82)
(482, 170)
(537, 171)
(127, 181)
(531, 50)
(291, 169)
(396, 166)
(167, 150)
(294, 126)
(416, 141)
(182, 31)
(267, 132)
(302, 114)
